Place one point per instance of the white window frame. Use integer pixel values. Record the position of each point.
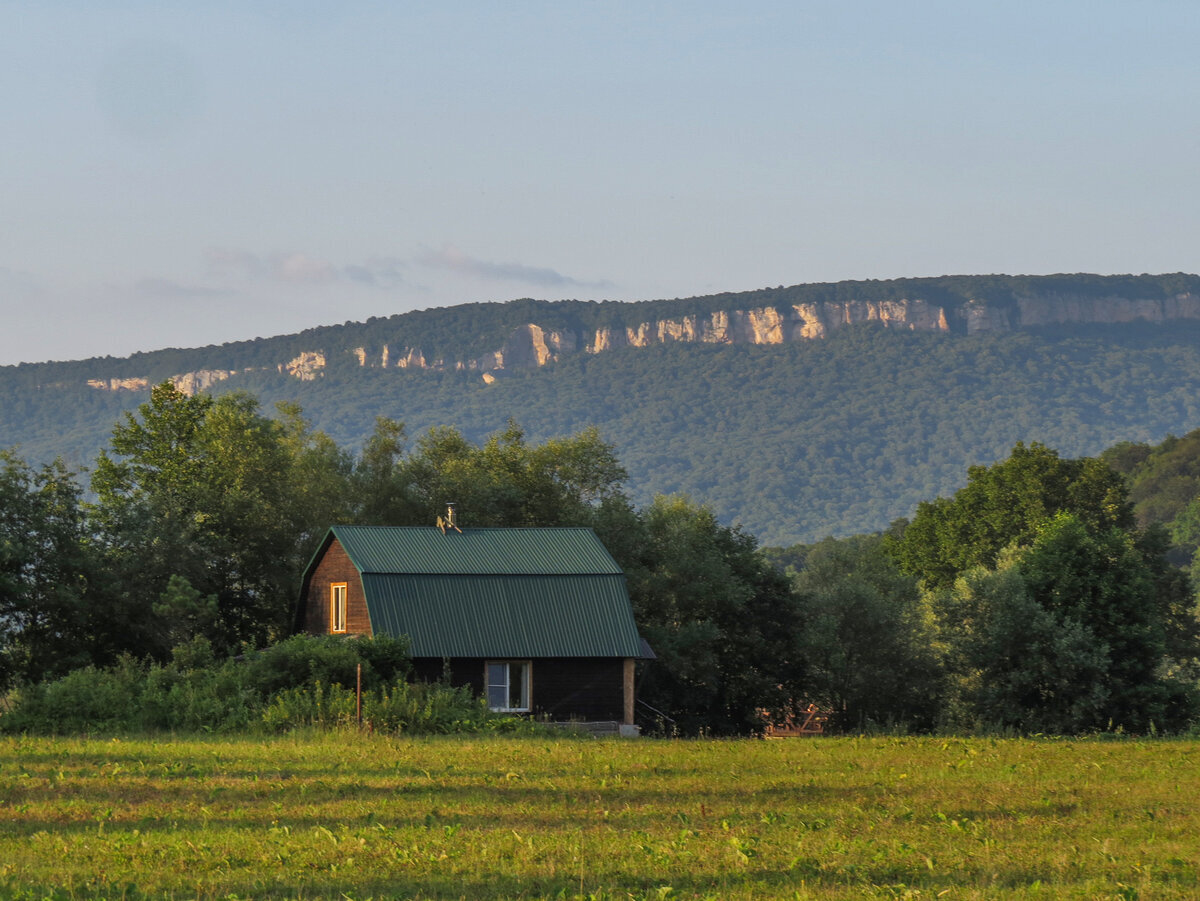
(524, 670)
(337, 607)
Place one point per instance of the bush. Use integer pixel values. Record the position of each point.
(413, 709)
(84, 700)
(426, 708)
(300, 682)
(304, 660)
(322, 706)
(195, 693)
(280, 685)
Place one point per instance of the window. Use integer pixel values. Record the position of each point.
(337, 607)
(508, 686)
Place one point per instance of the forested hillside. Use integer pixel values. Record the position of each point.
(794, 440)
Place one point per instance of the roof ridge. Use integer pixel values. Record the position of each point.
(351, 525)
(491, 572)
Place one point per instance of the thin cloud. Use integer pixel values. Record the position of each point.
(165, 288)
(239, 263)
(379, 272)
(302, 269)
(455, 260)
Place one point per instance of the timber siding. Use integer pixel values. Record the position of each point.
(583, 688)
(335, 567)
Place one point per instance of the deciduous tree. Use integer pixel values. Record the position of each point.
(865, 638)
(213, 492)
(47, 575)
(1055, 612)
(720, 619)
(1006, 504)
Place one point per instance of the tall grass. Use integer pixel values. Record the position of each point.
(346, 815)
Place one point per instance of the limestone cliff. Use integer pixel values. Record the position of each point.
(134, 384)
(531, 345)
(193, 382)
(306, 367)
(1061, 309)
(188, 382)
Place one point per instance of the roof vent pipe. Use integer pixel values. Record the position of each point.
(449, 521)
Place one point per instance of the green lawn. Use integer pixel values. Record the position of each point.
(359, 817)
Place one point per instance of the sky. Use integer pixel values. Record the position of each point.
(182, 174)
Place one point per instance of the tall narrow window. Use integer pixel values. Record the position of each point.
(337, 607)
(508, 686)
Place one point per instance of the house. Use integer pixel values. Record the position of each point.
(537, 620)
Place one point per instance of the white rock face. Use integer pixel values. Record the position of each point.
(305, 367)
(530, 345)
(191, 383)
(982, 317)
(137, 384)
(188, 383)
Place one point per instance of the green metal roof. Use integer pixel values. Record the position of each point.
(505, 616)
(494, 592)
(415, 549)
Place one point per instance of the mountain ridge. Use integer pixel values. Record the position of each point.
(953, 305)
(793, 436)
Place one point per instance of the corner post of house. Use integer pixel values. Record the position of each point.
(628, 681)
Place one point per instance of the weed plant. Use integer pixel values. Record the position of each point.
(354, 816)
(300, 681)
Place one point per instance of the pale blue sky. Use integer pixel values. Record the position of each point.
(182, 174)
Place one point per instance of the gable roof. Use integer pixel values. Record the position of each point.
(529, 592)
(419, 549)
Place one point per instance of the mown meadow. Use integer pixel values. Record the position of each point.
(343, 815)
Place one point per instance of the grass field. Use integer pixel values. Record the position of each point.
(358, 817)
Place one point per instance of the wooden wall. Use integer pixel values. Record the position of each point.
(335, 566)
(562, 688)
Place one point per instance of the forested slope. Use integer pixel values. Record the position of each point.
(794, 441)
(800, 441)
(792, 435)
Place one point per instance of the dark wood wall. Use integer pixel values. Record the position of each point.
(335, 566)
(562, 688)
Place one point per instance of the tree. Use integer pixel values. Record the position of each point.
(508, 482)
(865, 639)
(383, 493)
(47, 575)
(719, 618)
(212, 492)
(1012, 663)
(1006, 504)
(1054, 611)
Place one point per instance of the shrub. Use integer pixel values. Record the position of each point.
(84, 700)
(301, 682)
(320, 705)
(195, 693)
(402, 707)
(304, 660)
(426, 708)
